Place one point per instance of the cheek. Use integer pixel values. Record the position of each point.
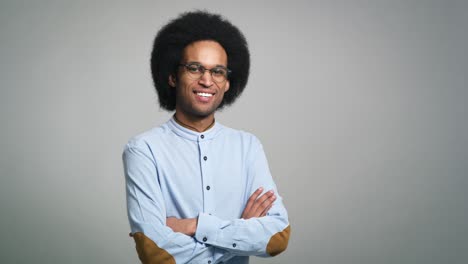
(185, 86)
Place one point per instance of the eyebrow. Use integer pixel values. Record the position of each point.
(199, 63)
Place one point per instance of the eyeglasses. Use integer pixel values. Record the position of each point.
(196, 71)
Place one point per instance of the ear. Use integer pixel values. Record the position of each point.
(226, 87)
(172, 81)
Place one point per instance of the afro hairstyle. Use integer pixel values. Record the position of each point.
(190, 27)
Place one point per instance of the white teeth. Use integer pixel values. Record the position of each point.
(204, 94)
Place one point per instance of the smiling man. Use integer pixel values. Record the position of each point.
(198, 94)
(198, 191)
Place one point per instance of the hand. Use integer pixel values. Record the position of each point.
(258, 207)
(186, 226)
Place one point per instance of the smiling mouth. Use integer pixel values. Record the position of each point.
(204, 94)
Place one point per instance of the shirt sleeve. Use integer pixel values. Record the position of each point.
(263, 236)
(155, 242)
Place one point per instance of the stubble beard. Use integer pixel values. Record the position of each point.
(191, 110)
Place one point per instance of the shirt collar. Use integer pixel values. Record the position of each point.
(194, 135)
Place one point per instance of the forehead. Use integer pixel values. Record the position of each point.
(206, 52)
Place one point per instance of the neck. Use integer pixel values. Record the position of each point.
(198, 124)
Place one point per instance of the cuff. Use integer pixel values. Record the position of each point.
(207, 228)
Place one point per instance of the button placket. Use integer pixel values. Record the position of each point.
(208, 200)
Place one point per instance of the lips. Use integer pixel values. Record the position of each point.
(204, 96)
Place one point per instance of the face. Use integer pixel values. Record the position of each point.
(199, 98)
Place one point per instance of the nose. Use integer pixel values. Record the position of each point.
(206, 79)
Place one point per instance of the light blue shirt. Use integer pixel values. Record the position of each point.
(173, 171)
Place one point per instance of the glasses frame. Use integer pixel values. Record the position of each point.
(203, 70)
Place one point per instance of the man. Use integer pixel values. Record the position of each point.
(197, 191)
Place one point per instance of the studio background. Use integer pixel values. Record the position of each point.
(361, 108)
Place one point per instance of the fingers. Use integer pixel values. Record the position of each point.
(250, 203)
(264, 202)
(259, 203)
(259, 206)
(264, 213)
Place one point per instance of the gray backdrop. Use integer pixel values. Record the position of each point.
(361, 108)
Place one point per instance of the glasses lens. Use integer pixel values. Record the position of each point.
(219, 74)
(195, 70)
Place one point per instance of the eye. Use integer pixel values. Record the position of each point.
(219, 71)
(194, 68)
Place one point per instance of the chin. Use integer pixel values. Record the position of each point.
(198, 110)
(203, 114)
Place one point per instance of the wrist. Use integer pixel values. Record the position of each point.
(193, 226)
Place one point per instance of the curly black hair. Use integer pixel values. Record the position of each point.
(189, 27)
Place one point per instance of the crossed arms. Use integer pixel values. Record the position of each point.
(262, 230)
(256, 207)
